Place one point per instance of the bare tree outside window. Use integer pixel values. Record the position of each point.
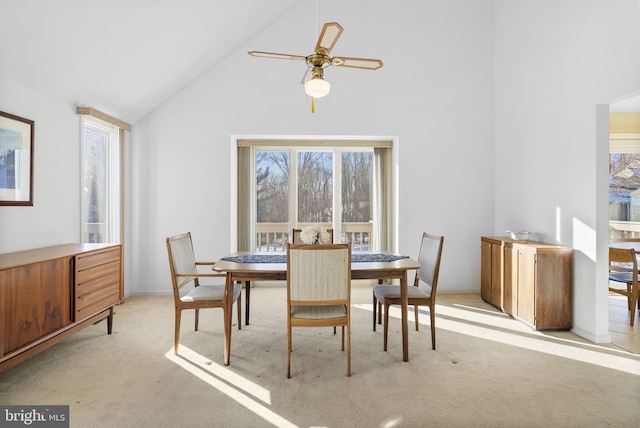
(272, 186)
(314, 190)
(315, 187)
(357, 176)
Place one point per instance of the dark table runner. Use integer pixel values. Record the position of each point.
(282, 258)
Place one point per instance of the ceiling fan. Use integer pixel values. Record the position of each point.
(314, 84)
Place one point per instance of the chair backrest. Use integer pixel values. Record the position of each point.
(319, 274)
(623, 260)
(295, 236)
(182, 261)
(429, 259)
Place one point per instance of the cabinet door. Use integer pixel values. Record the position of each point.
(554, 302)
(497, 273)
(485, 271)
(510, 281)
(37, 301)
(526, 286)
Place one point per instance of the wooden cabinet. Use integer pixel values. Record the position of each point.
(50, 293)
(537, 284)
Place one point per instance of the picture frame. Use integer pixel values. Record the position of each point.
(16, 160)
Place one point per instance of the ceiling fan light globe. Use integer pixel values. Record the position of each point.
(317, 87)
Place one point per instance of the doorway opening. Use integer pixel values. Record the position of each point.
(624, 208)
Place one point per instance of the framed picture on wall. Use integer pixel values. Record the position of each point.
(16, 160)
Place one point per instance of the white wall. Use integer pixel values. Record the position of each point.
(54, 217)
(434, 94)
(555, 62)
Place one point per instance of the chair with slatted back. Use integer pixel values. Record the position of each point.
(423, 293)
(188, 293)
(319, 290)
(623, 268)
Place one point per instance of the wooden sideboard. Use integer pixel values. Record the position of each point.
(531, 281)
(48, 294)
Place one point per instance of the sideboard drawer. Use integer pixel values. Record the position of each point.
(89, 263)
(97, 282)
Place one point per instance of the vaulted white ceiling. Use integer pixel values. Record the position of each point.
(126, 57)
(123, 56)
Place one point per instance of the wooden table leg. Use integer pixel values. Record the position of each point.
(405, 324)
(228, 311)
(247, 299)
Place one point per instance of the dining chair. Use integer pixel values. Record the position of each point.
(319, 290)
(623, 268)
(295, 234)
(188, 293)
(423, 293)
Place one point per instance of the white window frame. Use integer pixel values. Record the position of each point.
(307, 141)
(114, 208)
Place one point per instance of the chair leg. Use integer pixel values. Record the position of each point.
(633, 302)
(380, 281)
(197, 316)
(342, 338)
(240, 311)
(415, 310)
(348, 347)
(375, 301)
(289, 350)
(432, 313)
(386, 325)
(176, 336)
(334, 329)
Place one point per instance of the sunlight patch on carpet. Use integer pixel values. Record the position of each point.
(222, 379)
(501, 328)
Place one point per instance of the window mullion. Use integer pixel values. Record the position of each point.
(293, 188)
(337, 194)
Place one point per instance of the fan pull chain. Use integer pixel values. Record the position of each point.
(313, 105)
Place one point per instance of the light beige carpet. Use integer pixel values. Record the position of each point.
(488, 371)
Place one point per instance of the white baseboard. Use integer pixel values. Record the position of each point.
(602, 338)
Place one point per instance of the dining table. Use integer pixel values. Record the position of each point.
(626, 244)
(272, 266)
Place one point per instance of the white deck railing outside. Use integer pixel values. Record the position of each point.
(274, 236)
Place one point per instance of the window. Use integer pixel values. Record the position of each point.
(101, 172)
(624, 188)
(335, 185)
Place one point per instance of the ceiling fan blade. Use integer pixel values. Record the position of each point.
(328, 37)
(275, 55)
(366, 63)
(307, 75)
